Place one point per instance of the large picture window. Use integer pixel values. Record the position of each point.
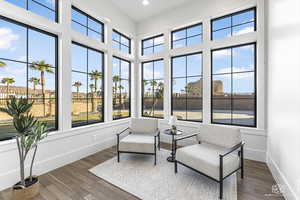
(87, 25)
(187, 87)
(153, 45)
(45, 8)
(234, 85)
(29, 72)
(87, 85)
(187, 36)
(121, 42)
(234, 24)
(121, 88)
(153, 89)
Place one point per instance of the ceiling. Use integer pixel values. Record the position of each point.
(138, 12)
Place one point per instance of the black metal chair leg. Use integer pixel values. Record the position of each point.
(118, 156)
(242, 162)
(155, 158)
(221, 189)
(175, 166)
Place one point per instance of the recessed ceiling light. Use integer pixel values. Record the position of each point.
(145, 2)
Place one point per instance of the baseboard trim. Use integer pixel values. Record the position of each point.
(281, 180)
(58, 161)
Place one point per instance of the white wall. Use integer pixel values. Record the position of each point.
(203, 11)
(284, 94)
(68, 145)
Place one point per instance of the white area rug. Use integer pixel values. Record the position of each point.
(137, 175)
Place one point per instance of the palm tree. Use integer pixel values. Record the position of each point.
(77, 84)
(35, 81)
(8, 81)
(2, 64)
(95, 76)
(92, 87)
(116, 79)
(42, 67)
(158, 93)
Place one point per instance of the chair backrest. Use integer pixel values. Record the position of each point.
(143, 125)
(219, 135)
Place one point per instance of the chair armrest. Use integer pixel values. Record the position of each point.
(118, 134)
(232, 149)
(185, 137)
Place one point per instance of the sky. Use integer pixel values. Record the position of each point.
(13, 46)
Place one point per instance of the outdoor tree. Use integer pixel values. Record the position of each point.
(7, 81)
(35, 81)
(43, 68)
(77, 84)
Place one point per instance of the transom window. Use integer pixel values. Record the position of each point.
(121, 88)
(153, 89)
(45, 8)
(28, 72)
(191, 35)
(153, 45)
(121, 42)
(234, 24)
(234, 85)
(187, 80)
(87, 25)
(87, 85)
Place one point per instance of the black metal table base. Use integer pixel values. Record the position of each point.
(170, 159)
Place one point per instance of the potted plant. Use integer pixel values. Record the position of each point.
(29, 133)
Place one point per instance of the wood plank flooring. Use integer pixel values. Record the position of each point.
(74, 182)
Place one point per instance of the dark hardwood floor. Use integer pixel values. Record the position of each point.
(74, 182)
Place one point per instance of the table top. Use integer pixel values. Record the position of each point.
(168, 132)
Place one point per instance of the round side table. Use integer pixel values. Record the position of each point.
(171, 158)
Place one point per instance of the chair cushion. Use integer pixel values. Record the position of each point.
(205, 158)
(143, 125)
(219, 135)
(141, 143)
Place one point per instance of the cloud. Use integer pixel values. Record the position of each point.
(52, 2)
(149, 74)
(244, 30)
(6, 38)
(221, 53)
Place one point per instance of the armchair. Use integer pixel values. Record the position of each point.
(213, 156)
(143, 137)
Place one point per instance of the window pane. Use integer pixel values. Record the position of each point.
(95, 62)
(125, 69)
(79, 28)
(179, 98)
(179, 35)
(194, 99)
(95, 87)
(158, 103)
(243, 112)
(243, 84)
(125, 49)
(79, 58)
(148, 51)
(96, 26)
(79, 111)
(94, 110)
(124, 108)
(222, 61)
(42, 10)
(79, 85)
(159, 40)
(243, 18)
(95, 35)
(116, 36)
(194, 65)
(195, 30)
(242, 29)
(179, 43)
(194, 40)
(159, 69)
(148, 71)
(19, 3)
(116, 45)
(243, 58)
(224, 33)
(79, 17)
(221, 111)
(125, 41)
(158, 48)
(179, 66)
(13, 80)
(116, 67)
(13, 41)
(35, 54)
(221, 85)
(147, 99)
(148, 43)
(221, 23)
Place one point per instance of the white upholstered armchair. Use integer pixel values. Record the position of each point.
(141, 137)
(214, 155)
